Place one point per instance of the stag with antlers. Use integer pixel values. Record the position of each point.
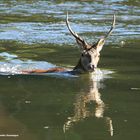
(89, 56)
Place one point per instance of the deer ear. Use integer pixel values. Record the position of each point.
(99, 45)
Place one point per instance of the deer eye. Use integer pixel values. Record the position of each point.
(84, 53)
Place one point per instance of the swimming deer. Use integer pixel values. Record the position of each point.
(90, 53)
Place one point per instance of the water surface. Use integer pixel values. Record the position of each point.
(102, 105)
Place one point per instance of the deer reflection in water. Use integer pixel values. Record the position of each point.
(90, 104)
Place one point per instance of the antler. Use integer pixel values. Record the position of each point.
(77, 37)
(112, 27)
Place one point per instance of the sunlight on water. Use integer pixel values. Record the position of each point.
(9, 135)
(92, 17)
(7, 56)
(15, 66)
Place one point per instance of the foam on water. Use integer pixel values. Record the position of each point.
(13, 65)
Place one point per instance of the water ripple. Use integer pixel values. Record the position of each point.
(91, 19)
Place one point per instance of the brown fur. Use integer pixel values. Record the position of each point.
(43, 71)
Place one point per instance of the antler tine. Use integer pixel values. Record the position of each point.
(112, 27)
(78, 38)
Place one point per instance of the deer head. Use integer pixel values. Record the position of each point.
(90, 53)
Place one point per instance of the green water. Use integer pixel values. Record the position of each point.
(99, 106)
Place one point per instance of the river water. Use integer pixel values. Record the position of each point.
(98, 106)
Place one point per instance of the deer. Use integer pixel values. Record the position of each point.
(90, 54)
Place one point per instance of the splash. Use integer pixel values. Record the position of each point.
(12, 65)
(99, 75)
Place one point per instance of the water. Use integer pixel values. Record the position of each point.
(102, 105)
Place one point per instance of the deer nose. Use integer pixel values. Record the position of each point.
(91, 67)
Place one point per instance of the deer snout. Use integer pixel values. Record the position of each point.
(91, 67)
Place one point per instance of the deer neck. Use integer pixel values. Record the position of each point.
(79, 67)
